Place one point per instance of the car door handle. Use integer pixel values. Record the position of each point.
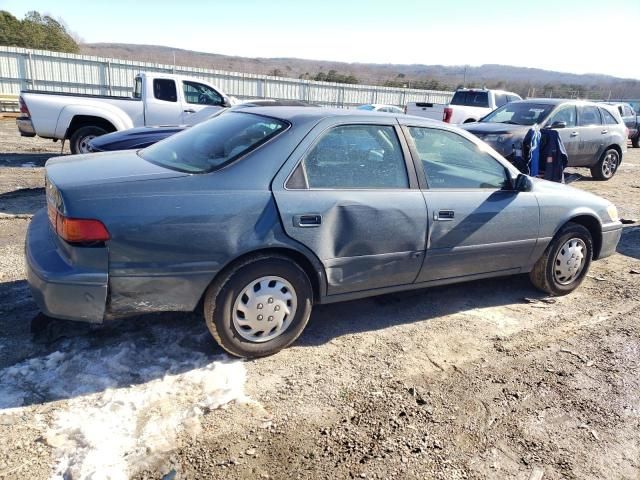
(189, 110)
(444, 215)
(574, 134)
(604, 131)
(307, 220)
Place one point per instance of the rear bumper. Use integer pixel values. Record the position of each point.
(611, 234)
(60, 288)
(25, 127)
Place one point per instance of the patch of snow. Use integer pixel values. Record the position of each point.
(123, 403)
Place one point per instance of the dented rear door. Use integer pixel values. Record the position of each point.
(349, 195)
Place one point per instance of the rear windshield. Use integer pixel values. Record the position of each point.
(520, 113)
(471, 99)
(214, 143)
(366, 107)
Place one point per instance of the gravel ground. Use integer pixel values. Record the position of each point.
(486, 379)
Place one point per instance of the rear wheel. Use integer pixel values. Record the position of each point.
(607, 166)
(79, 141)
(565, 263)
(259, 307)
(636, 140)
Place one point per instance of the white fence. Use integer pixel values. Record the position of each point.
(24, 69)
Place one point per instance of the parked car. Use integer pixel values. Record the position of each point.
(467, 105)
(631, 120)
(593, 134)
(258, 214)
(158, 99)
(142, 137)
(378, 107)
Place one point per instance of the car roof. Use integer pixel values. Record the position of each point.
(293, 114)
(556, 101)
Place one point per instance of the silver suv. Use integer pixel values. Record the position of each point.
(594, 135)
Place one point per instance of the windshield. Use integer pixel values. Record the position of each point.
(214, 143)
(519, 113)
(471, 99)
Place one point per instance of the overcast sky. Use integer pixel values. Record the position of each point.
(583, 36)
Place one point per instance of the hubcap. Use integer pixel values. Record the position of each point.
(83, 144)
(264, 309)
(610, 164)
(569, 261)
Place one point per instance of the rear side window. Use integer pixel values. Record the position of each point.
(607, 117)
(628, 111)
(215, 143)
(471, 99)
(589, 115)
(165, 89)
(356, 156)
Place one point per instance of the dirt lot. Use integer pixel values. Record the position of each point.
(482, 380)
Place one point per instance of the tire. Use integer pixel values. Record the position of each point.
(232, 301)
(607, 166)
(80, 138)
(636, 141)
(546, 275)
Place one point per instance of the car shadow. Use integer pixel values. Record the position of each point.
(44, 360)
(377, 313)
(24, 201)
(26, 159)
(629, 244)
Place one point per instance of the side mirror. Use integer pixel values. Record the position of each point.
(522, 183)
(226, 102)
(556, 125)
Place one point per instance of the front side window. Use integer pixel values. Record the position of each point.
(137, 88)
(165, 89)
(501, 99)
(589, 115)
(200, 94)
(215, 143)
(607, 117)
(566, 114)
(519, 113)
(356, 156)
(450, 161)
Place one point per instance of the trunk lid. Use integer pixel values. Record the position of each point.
(104, 168)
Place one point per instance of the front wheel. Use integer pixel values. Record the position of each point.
(636, 140)
(259, 307)
(79, 141)
(565, 263)
(607, 166)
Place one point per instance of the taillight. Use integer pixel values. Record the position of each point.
(23, 106)
(77, 230)
(448, 113)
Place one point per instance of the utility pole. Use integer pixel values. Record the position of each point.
(174, 61)
(464, 81)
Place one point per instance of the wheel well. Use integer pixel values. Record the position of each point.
(617, 149)
(470, 120)
(299, 258)
(80, 121)
(593, 225)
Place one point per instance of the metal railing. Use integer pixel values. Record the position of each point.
(23, 69)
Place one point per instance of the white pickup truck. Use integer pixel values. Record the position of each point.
(158, 99)
(467, 105)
